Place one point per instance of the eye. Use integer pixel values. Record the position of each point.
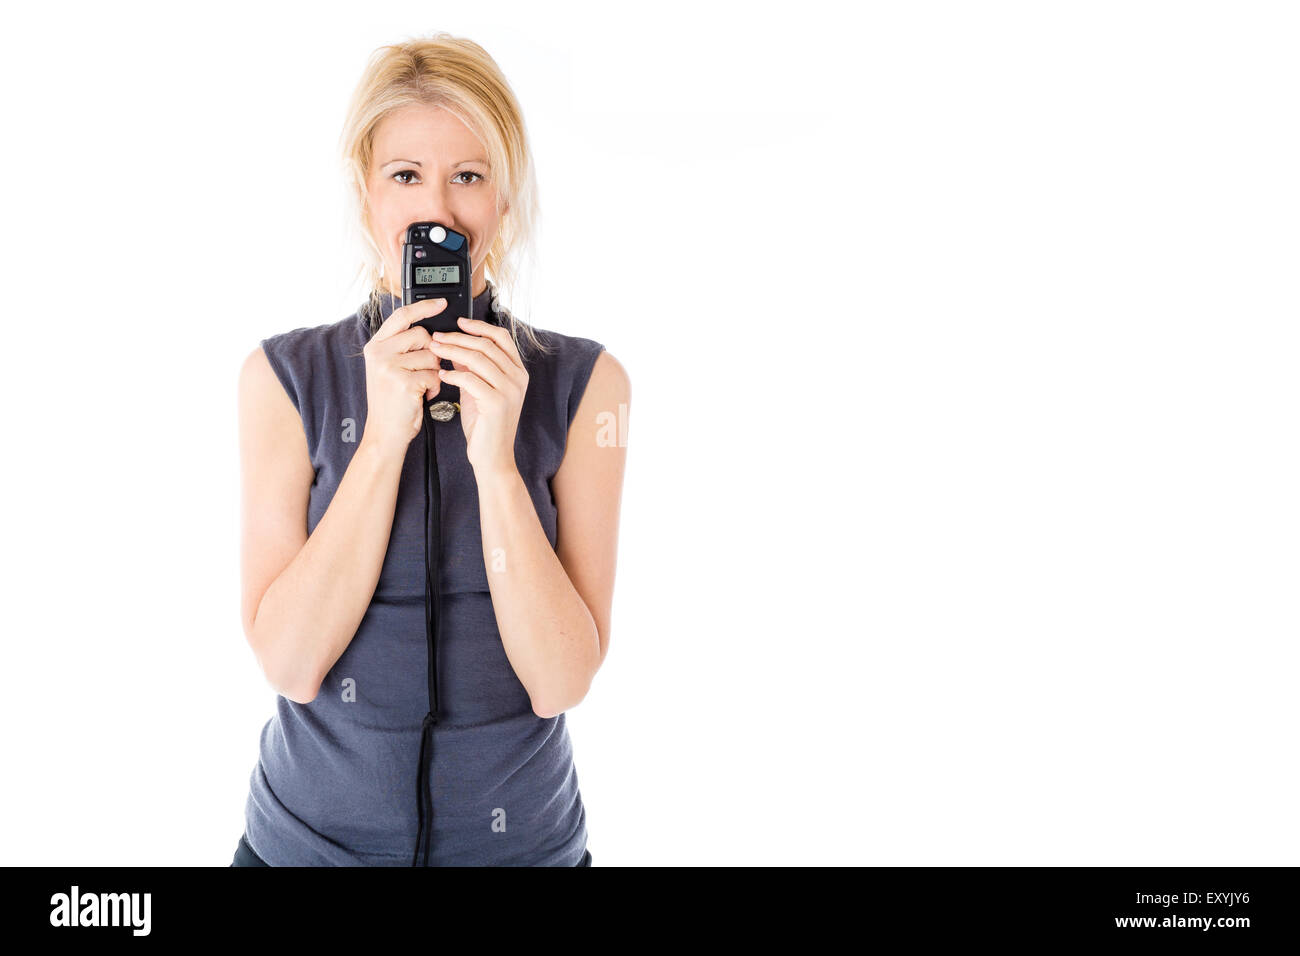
(411, 172)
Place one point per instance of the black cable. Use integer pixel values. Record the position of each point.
(432, 605)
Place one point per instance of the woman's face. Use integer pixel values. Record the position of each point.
(429, 166)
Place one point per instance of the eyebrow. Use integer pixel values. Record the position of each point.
(416, 162)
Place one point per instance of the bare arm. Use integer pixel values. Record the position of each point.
(553, 607)
(304, 597)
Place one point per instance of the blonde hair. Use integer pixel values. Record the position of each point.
(458, 75)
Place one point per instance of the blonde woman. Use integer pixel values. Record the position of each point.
(360, 765)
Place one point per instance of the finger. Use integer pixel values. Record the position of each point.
(417, 359)
(496, 333)
(416, 337)
(405, 315)
(474, 360)
(426, 384)
(468, 382)
(513, 369)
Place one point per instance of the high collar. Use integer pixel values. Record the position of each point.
(389, 303)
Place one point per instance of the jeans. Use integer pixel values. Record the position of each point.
(244, 856)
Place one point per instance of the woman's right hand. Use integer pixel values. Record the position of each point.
(400, 372)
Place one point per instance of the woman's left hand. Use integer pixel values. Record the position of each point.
(492, 382)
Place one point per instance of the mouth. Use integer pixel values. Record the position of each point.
(401, 239)
(401, 242)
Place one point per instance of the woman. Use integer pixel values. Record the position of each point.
(358, 766)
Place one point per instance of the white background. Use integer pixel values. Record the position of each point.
(960, 523)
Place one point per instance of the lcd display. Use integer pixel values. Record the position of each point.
(437, 275)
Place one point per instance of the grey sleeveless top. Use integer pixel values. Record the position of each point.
(336, 779)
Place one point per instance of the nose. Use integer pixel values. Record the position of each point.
(434, 207)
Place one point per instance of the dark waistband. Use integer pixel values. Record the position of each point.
(244, 856)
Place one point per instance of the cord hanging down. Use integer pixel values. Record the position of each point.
(441, 411)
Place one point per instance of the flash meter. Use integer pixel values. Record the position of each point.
(435, 265)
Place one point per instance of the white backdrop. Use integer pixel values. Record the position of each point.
(960, 523)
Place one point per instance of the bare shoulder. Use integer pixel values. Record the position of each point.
(272, 440)
(609, 375)
(609, 389)
(263, 402)
(256, 375)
